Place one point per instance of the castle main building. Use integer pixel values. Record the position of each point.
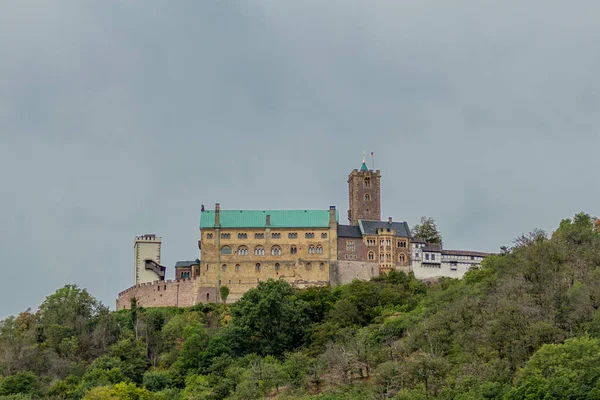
(240, 248)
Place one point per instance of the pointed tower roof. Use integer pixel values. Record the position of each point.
(363, 167)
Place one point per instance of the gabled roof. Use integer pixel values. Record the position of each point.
(371, 227)
(349, 231)
(258, 218)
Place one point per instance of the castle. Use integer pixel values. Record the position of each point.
(240, 248)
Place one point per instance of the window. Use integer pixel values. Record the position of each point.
(292, 236)
(225, 235)
(388, 242)
(381, 242)
(242, 236)
(371, 255)
(323, 236)
(309, 235)
(275, 251)
(472, 257)
(432, 257)
(367, 182)
(322, 266)
(381, 257)
(401, 258)
(242, 251)
(319, 249)
(311, 249)
(259, 236)
(416, 255)
(367, 197)
(276, 235)
(293, 249)
(229, 282)
(224, 267)
(427, 256)
(209, 235)
(237, 267)
(401, 244)
(388, 257)
(371, 242)
(308, 266)
(277, 267)
(350, 245)
(259, 251)
(257, 267)
(225, 250)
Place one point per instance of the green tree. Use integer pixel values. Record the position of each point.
(23, 383)
(561, 371)
(428, 231)
(224, 292)
(270, 318)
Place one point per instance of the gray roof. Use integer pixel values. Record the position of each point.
(415, 239)
(371, 227)
(433, 247)
(182, 264)
(348, 231)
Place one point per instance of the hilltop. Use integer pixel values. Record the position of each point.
(524, 325)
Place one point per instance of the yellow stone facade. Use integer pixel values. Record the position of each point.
(240, 258)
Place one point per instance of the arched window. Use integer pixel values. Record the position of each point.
(224, 267)
(319, 249)
(277, 267)
(293, 249)
(367, 197)
(311, 249)
(237, 267)
(242, 251)
(371, 255)
(207, 296)
(275, 251)
(381, 257)
(225, 250)
(308, 266)
(259, 251)
(257, 267)
(401, 258)
(367, 182)
(322, 266)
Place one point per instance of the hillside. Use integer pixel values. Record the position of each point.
(524, 326)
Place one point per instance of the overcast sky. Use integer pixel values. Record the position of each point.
(119, 118)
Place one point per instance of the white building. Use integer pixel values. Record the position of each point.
(434, 262)
(147, 266)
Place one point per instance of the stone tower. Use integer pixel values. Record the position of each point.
(147, 266)
(364, 194)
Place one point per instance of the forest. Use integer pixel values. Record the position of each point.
(525, 325)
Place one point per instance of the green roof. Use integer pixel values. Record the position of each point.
(363, 167)
(258, 218)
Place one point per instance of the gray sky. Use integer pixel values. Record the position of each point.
(119, 118)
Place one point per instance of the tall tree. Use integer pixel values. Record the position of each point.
(428, 231)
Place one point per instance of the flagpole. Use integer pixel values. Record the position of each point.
(373, 157)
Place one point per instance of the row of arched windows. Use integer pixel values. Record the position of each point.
(386, 257)
(275, 250)
(277, 267)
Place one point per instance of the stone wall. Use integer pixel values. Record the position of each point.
(179, 293)
(344, 272)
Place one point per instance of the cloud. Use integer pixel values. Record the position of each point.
(121, 119)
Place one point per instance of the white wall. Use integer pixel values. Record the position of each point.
(146, 248)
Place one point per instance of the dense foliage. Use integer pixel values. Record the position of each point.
(523, 326)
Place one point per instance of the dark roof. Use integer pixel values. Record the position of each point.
(370, 227)
(348, 231)
(417, 240)
(465, 253)
(433, 247)
(182, 264)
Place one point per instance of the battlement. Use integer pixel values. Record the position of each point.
(149, 237)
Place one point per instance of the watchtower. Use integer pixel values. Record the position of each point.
(364, 194)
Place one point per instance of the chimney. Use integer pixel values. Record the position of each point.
(332, 218)
(390, 220)
(268, 221)
(217, 215)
